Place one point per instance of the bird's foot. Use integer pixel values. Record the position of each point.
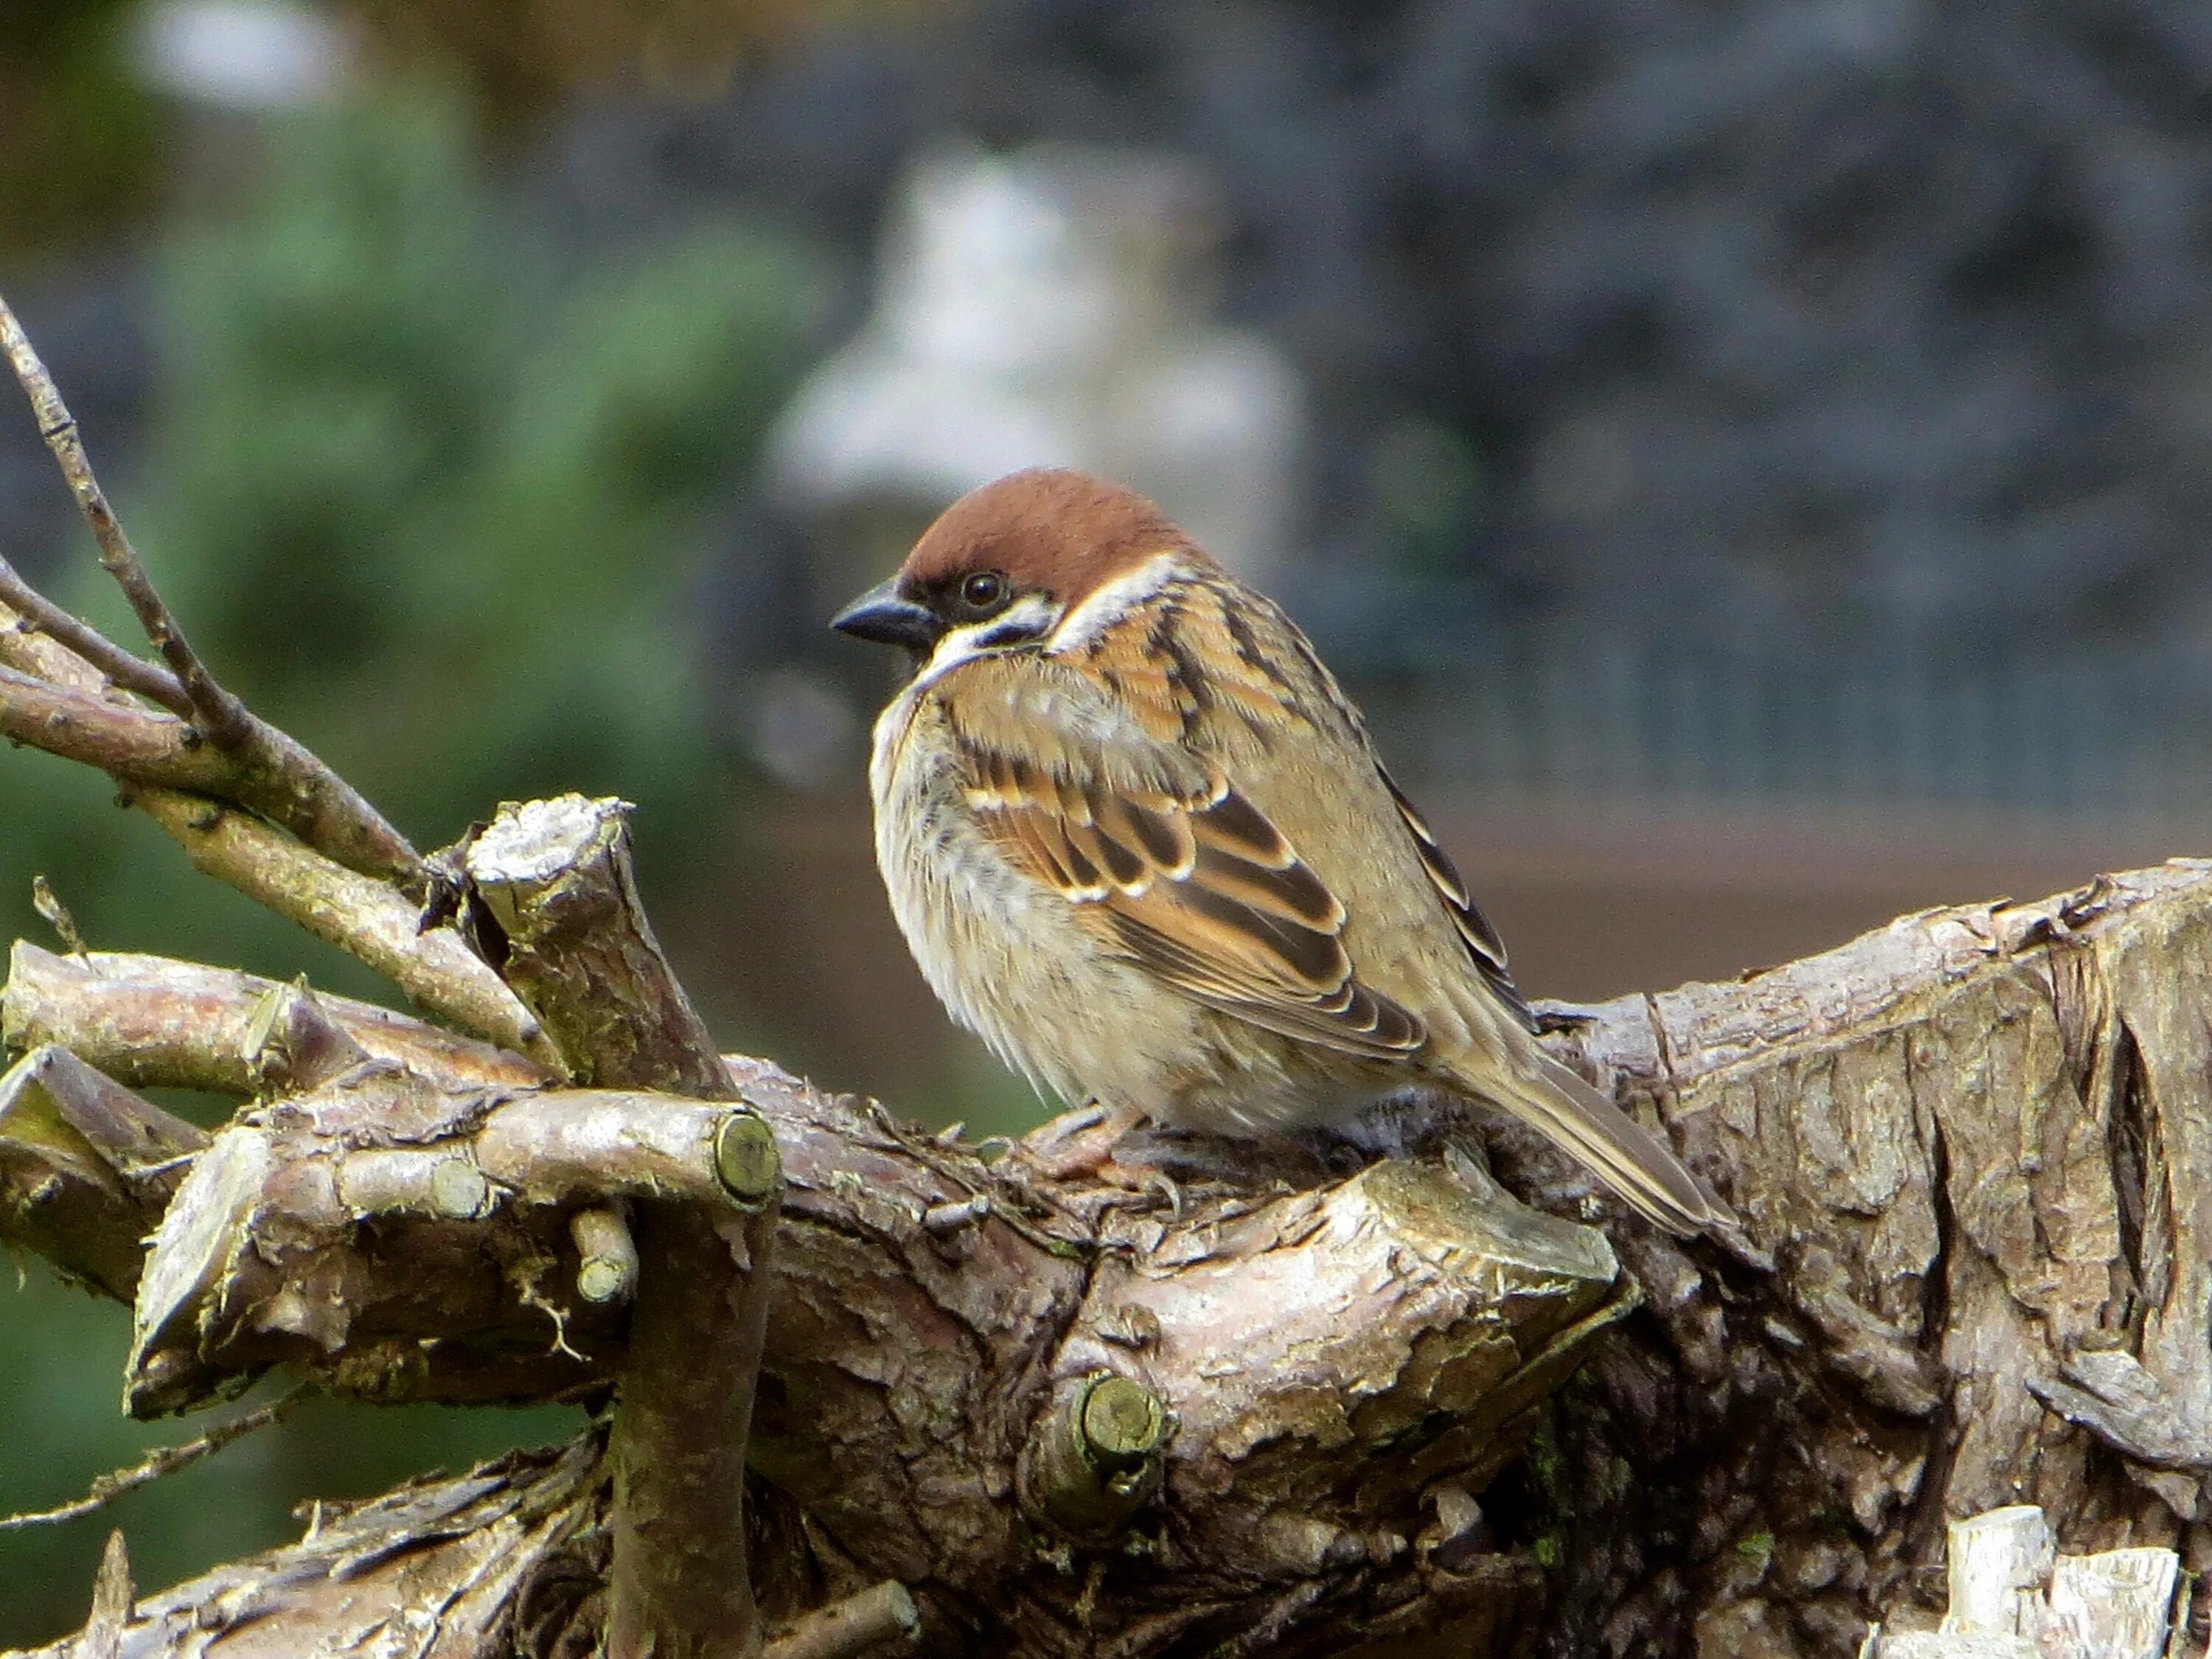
(1081, 1145)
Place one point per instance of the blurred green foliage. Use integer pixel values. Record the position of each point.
(433, 493)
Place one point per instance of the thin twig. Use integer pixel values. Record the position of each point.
(849, 1629)
(131, 673)
(369, 919)
(166, 1460)
(270, 773)
(221, 716)
(131, 744)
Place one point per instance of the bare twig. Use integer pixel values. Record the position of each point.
(130, 744)
(269, 772)
(50, 697)
(167, 1460)
(131, 672)
(368, 919)
(222, 716)
(849, 1629)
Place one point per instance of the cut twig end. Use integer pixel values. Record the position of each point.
(607, 1255)
(745, 1159)
(1097, 1455)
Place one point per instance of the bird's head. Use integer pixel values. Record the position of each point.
(1006, 565)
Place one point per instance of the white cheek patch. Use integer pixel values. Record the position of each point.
(1024, 621)
(1110, 602)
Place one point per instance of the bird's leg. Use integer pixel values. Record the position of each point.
(1082, 1143)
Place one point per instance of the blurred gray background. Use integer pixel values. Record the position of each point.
(1750, 460)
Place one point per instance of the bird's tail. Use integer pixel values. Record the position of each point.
(1617, 1149)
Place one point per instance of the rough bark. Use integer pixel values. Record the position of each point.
(1972, 1154)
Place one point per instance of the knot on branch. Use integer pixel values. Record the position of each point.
(1096, 1455)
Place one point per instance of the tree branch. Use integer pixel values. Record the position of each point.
(269, 773)
(133, 674)
(151, 1022)
(86, 1168)
(451, 1561)
(917, 1377)
(156, 1464)
(53, 699)
(368, 919)
(852, 1628)
(551, 899)
(1268, 1410)
(221, 716)
(122, 740)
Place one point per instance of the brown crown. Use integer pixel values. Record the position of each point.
(1049, 530)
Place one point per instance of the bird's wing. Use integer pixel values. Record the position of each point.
(1260, 667)
(1168, 864)
(1483, 944)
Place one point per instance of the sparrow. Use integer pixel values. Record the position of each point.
(1139, 841)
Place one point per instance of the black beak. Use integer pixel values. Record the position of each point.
(880, 615)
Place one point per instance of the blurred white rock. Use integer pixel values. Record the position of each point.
(1050, 306)
(253, 55)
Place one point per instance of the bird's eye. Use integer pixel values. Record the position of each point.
(984, 591)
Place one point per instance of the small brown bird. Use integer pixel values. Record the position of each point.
(1139, 841)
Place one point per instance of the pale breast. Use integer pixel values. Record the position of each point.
(1005, 955)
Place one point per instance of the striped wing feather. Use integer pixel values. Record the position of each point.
(1201, 888)
(1483, 944)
